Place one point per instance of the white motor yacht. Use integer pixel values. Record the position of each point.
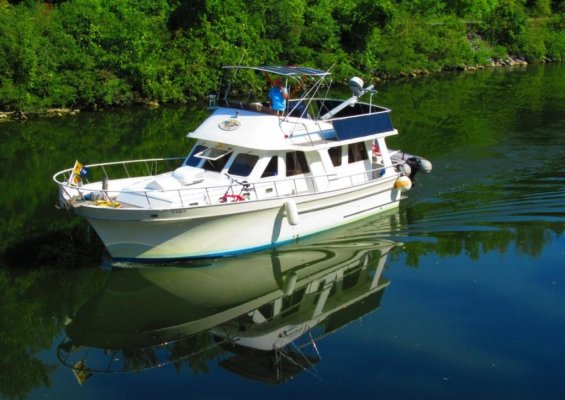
(255, 177)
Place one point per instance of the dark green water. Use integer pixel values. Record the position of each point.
(460, 294)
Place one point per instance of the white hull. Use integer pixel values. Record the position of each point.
(234, 227)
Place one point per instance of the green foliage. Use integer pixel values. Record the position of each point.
(538, 8)
(532, 42)
(558, 6)
(473, 9)
(411, 44)
(358, 20)
(425, 7)
(505, 23)
(555, 38)
(96, 53)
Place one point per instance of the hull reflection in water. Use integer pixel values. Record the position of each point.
(258, 315)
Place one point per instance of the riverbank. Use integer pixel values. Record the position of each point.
(48, 113)
(508, 62)
(23, 115)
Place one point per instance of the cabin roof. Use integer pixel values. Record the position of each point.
(264, 132)
(245, 128)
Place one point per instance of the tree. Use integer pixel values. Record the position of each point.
(505, 23)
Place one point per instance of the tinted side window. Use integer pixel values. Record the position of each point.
(194, 161)
(335, 155)
(357, 152)
(243, 164)
(272, 168)
(216, 165)
(296, 163)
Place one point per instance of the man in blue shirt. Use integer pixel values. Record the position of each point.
(278, 97)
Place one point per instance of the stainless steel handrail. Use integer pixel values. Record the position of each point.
(61, 179)
(112, 163)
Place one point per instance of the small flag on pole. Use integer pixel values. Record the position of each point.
(79, 171)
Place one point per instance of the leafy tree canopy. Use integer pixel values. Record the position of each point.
(92, 53)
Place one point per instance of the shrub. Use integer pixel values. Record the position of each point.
(504, 24)
(555, 38)
(531, 43)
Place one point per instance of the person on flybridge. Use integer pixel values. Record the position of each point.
(278, 96)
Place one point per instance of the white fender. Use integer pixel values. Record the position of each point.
(291, 212)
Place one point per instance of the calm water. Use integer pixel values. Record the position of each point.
(460, 294)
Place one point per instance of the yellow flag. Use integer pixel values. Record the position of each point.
(75, 178)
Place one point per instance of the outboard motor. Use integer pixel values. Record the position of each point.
(418, 164)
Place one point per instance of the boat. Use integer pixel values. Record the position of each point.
(259, 315)
(255, 177)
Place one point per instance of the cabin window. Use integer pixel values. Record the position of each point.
(215, 158)
(215, 165)
(213, 153)
(335, 155)
(296, 163)
(357, 152)
(192, 160)
(243, 164)
(272, 168)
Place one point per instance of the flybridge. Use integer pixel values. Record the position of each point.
(350, 118)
